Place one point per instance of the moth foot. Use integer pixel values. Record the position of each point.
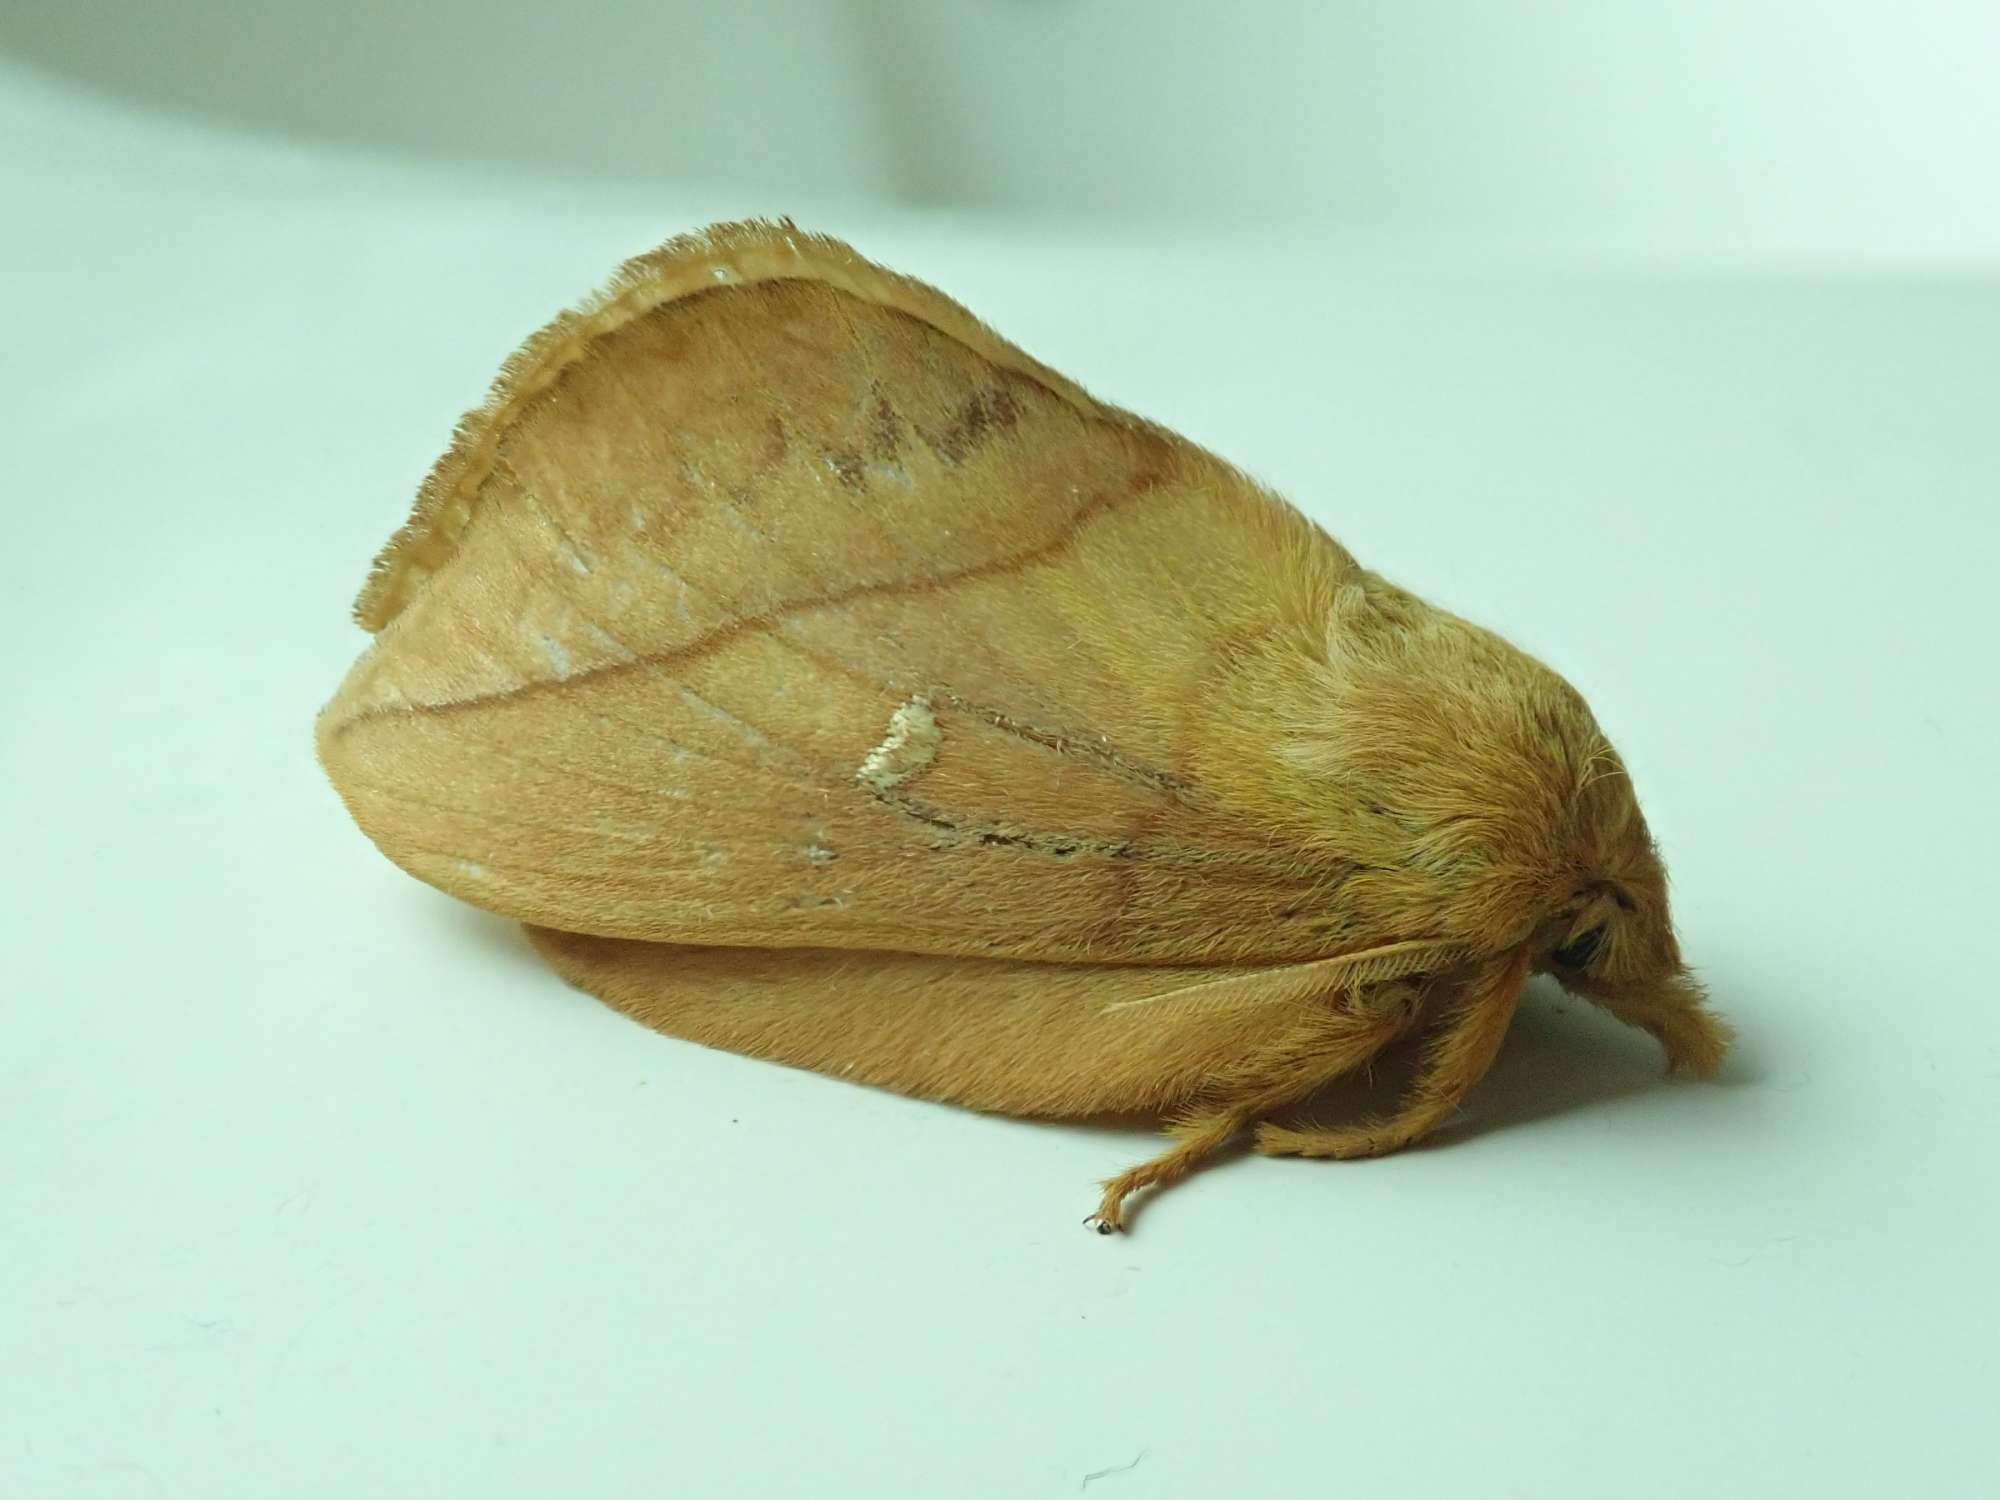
(1110, 1215)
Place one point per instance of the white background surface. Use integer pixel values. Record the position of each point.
(313, 1182)
(1866, 125)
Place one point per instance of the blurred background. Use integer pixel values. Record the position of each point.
(1830, 127)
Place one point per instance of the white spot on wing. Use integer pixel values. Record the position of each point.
(911, 744)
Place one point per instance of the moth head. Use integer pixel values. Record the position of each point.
(1487, 808)
(1612, 943)
(1607, 934)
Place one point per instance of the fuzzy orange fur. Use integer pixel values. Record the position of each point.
(821, 677)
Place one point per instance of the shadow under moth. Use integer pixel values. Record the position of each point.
(820, 677)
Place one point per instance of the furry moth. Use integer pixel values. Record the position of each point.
(821, 677)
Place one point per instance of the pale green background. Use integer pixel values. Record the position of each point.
(1853, 125)
(1668, 346)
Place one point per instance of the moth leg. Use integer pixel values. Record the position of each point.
(1199, 1138)
(1274, 1077)
(1456, 1059)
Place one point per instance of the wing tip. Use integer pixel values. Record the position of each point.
(734, 253)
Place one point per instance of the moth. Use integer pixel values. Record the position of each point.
(820, 677)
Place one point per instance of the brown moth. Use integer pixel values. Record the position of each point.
(821, 677)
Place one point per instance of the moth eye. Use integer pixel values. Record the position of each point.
(1580, 950)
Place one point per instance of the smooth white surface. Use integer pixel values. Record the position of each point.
(315, 1183)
